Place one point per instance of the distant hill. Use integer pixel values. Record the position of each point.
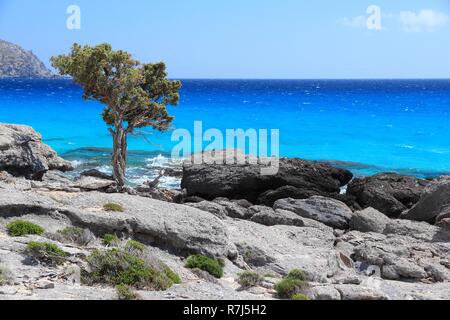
(18, 62)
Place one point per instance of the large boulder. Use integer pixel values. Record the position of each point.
(23, 154)
(369, 220)
(434, 203)
(245, 181)
(330, 212)
(389, 193)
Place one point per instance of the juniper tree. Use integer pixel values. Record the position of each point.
(135, 95)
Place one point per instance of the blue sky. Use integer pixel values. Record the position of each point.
(248, 38)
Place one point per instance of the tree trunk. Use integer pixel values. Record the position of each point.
(119, 159)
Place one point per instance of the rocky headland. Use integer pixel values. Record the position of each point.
(16, 62)
(383, 237)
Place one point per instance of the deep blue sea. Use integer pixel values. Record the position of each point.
(367, 126)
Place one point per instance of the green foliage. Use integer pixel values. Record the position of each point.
(296, 282)
(298, 274)
(135, 245)
(300, 296)
(5, 276)
(135, 95)
(210, 265)
(20, 228)
(121, 267)
(249, 279)
(124, 292)
(171, 275)
(74, 235)
(46, 252)
(110, 240)
(113, 207)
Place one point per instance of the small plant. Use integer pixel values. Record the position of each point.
(135, 245)
(113, 207)
(296, 282)
(121, 267)
(5, 276)
(110, 240)
(300, 296)
(74, 235)
(124, 292)
(171, 275)
(249, 279)
(298, 274)
(210, 265)
(20, 228)
(46, 252)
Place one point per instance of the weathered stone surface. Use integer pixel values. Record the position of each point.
(23, 154)
(330, 212)
(357, 292)
(96, 174)
(417, 230)
(245, 181)
(269, 197)
(431, 205)
(388, 193)
(269, 217)
(369, 220)
(214, 208)
(233, 209)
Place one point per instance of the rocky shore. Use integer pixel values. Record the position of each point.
(383, 237)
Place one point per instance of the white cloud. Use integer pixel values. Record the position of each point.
(423, 20)
(355, 22)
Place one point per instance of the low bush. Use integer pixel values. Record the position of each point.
(249, 279)
(300, 296)
(124, 292)
(210, 265)
(122, 267)
(295, 283)
(133, 245)
(46, 252)
(171, 275)
(113, 207)
(20, 228)
(5, 276)
(110, 240)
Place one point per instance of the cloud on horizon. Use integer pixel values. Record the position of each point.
(423, 20)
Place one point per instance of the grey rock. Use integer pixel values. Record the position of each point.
(214, 208)
(89, 183)
(357, 292)
(324, 292)
(417, 230)
(328, 211)
(269, 217)
(236, 181)
(369, 220)
(233, 209)
(96, 174)
(23, 154)
(388, 193)
(431, 205)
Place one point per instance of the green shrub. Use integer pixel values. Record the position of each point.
(46, 252)
(124, 292)
(300, 296)
(171, 275)
(74, 235)
(210, 265)
(113, 207)
(5, 276)
(20, 228)
(249, 279)
(121, 267)
(110, 240)
(135, 245)
(298, 274)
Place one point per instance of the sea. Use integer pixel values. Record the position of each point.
(366, 126)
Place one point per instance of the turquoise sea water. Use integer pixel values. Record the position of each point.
(367, 126)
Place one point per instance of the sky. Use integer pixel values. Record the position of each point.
(261, 39)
